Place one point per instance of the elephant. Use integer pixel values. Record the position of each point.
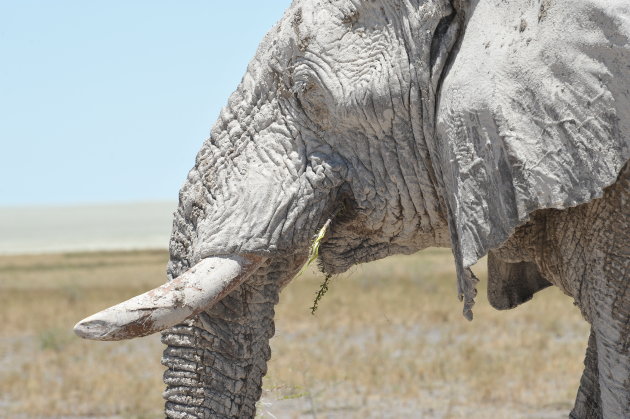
(491, 127)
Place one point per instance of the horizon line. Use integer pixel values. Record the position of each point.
(87, 203)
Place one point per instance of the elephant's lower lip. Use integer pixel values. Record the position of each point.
(195, 290)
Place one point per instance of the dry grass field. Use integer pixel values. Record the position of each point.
(388, 340)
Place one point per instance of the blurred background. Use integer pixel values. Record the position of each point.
(103, 106)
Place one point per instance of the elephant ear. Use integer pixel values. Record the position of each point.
(533, 112)
(512, 284)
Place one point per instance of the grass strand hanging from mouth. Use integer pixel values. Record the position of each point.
(312, 256)
(323, 289)
(313, 253)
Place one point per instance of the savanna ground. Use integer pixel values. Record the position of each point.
(388, 340)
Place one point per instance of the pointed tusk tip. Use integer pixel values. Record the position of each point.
(92, 329)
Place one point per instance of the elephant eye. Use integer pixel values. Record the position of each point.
(300, 87)
(311, 96)
(302, 83)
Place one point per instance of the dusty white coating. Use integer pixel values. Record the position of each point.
(534, 113)
(413, 124)
(195, 290)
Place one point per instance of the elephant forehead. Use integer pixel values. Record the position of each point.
(349, 42)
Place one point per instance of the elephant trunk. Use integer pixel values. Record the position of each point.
(257, 188)
(217, 360)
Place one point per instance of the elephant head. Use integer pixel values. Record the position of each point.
(399, 125)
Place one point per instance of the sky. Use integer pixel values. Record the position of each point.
(110, 101)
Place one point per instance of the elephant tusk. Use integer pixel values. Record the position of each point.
(195, 290)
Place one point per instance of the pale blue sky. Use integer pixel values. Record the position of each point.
(109, 101)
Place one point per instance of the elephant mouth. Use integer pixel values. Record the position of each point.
(197, 289)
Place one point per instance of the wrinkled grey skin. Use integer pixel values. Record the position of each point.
(491, 127)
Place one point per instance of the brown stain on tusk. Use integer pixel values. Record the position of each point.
(195, 290)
